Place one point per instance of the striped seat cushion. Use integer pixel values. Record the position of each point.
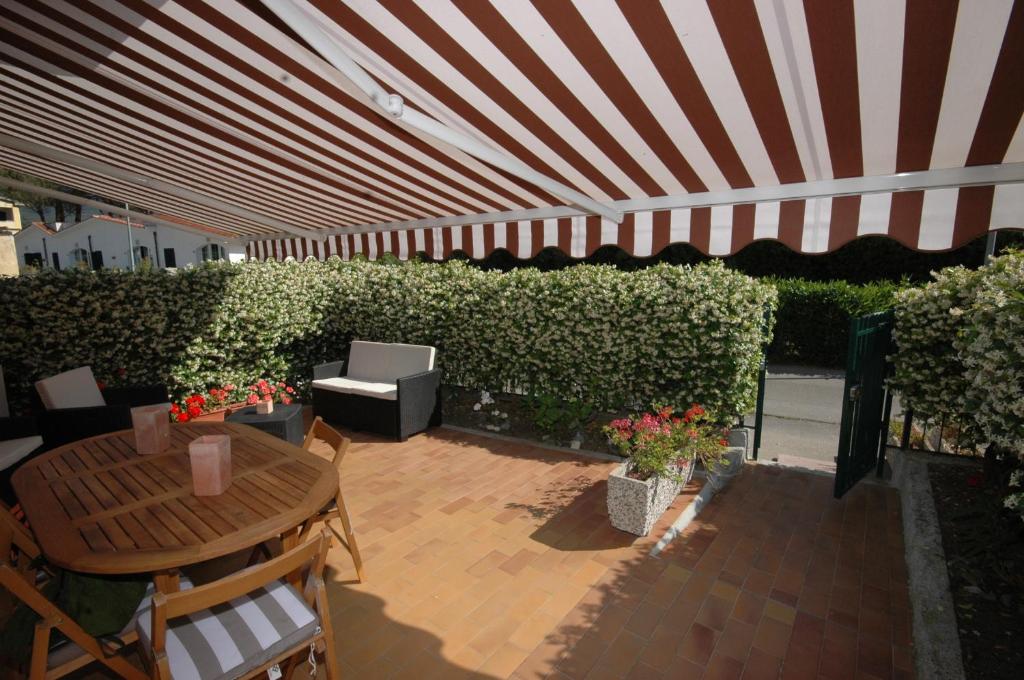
(234, 638)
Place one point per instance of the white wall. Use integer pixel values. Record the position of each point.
(111, 238)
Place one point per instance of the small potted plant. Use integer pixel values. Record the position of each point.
(215, 404)
(662, 449)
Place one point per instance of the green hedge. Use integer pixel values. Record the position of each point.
(813, 319)
(960, 350)
(615, 339)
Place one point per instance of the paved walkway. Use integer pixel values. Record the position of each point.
(491, 559)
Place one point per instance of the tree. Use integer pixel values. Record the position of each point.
(27, 198)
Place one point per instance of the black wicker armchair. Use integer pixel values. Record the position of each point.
(386, 388)
(72, 407)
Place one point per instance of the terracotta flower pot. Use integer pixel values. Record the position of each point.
(219, 415)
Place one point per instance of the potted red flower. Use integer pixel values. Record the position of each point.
(662, 450)
(277, 392)
(212, 406)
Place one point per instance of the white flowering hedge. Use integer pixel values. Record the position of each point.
(991, 347)
(960, 350)
(613, 338)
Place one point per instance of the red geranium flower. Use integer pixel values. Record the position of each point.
(182, 417)
(194, 411)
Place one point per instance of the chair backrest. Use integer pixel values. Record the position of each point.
(312, 555)
(14, 533)
(386, 361)
(325, 433)
(71, 389)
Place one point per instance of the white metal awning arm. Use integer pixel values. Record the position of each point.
(923, 180)
(310, 29)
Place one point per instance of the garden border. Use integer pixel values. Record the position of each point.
(937, 652)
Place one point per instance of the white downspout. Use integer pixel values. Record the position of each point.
(131, 246)
(392, 105)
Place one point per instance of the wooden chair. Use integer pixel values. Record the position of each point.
(22, 579)
(325, 433)
(295, 622)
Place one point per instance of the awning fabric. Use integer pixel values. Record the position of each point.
(622, 101)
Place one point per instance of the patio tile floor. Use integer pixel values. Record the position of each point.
(488, 558)
(491, 559)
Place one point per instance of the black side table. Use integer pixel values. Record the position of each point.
(285, 422)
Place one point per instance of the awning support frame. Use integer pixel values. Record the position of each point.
(393, 107)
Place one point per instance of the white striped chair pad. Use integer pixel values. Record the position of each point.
(69, 650)
(232, 639)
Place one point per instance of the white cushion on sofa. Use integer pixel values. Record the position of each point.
(13, 450)
(71, 389)
(386, 362)
(366, 388)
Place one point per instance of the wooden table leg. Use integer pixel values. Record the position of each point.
(289, 541)
(167, 582)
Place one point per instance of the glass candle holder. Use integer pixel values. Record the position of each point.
(210, 456)
(264, 407)
(152, 428)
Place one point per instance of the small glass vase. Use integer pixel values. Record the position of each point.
(152, 428)
(210, 456)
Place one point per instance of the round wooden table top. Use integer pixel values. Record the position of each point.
(99, 507)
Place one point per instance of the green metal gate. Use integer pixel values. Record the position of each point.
(867, 403)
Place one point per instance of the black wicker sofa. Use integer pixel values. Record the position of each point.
(387, 388)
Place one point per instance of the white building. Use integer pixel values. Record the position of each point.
(102, 241)
(10, 224)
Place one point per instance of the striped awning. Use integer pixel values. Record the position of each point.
(710, 123)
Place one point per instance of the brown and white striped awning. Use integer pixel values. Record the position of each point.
(711, 123)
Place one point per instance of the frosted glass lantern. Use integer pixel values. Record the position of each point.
(152, 428)
(210, 456)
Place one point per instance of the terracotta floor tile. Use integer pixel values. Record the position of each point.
(715, 612)
(681, 615)
(661, 649)
(496, 559)
(503, 662)
(723, 668)
(645, 619)
(736, 640)
(621, 655)
(874, 657)
(698, 644)
(759, 582)
(697, 586)
(684, 669)
(772, 637)
(761, 666)
(749, 607)
(581, 658)
(642, 671)
(838, 661)
(780, 612)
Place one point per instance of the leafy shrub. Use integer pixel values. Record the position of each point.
(813, 319)
(991, 348)
(609, 338)
(960, 350)
(928, 373)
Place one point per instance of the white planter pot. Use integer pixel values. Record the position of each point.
(723, 474)
(635, 505)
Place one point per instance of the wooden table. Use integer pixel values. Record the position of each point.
(99, 507)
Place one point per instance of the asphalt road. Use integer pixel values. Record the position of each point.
(803, 408)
